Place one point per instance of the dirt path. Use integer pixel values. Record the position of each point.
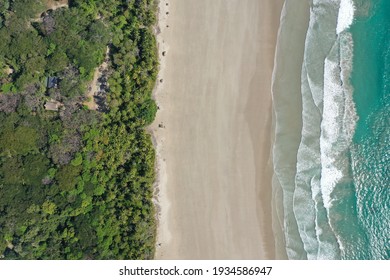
(54, 5)
(92, 90)
(94, 87)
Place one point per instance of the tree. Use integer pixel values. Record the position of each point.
(148, 111)
(48, 24)
(9, 102)
(20, 141)
(27, 9)
(67, 177)
(11, 171)
(63, 151)
(57, 62)
(77, 183)
(35, 168)
(48, 207)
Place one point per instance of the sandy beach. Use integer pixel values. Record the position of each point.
(212, 131)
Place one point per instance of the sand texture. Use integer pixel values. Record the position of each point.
(212, 131)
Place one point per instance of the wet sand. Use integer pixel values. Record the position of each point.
(212, 132)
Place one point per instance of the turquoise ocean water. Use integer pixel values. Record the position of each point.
(336, 198)
(370, 152)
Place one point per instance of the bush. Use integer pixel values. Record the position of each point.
(148, 111)
(67, 177)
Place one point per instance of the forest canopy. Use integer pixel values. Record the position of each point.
(76, 182)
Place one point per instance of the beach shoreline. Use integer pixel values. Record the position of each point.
(227, 130)
(160, 199)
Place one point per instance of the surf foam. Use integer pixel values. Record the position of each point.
(346, 15)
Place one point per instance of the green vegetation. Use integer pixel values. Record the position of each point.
(75, 183)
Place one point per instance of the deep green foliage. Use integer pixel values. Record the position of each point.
(19, 141)
(74, 183)
(26, 9)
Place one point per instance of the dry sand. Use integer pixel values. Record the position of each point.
(214, 185)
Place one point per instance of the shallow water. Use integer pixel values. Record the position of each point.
(336, 197)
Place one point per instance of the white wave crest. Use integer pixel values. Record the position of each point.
(339, 116)
(346, 15)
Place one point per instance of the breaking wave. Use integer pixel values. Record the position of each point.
(314, 157)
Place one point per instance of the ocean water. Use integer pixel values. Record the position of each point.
(332, 167)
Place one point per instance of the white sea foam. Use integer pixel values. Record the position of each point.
(328, 92)
(346, 64)
(319, 238)
(339, 116)
(346, 15)
(331, 129)
(328, 122)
